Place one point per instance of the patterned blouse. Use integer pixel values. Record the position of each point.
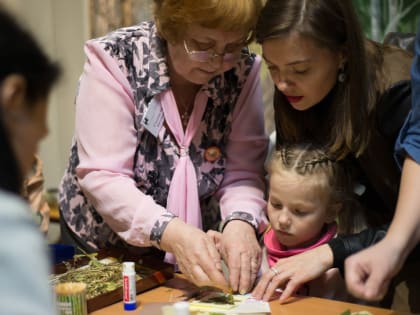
(115, 188)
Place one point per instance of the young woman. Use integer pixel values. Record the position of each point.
(168, 116)
(26, 77)
(308, 192)
(352, 95)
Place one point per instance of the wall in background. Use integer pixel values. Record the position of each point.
(61, 27)
(107, 15)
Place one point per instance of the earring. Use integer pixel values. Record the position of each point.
(341, 75)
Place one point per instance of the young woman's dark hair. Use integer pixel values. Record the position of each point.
(20, 54)
(342, 124)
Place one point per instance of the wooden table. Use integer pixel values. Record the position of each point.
(171, 291)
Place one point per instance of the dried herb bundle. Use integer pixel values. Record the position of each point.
(100, 276)
(218, 298)
(209, 294)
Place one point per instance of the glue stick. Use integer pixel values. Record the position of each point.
(129, 286)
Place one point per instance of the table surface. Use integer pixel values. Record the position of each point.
(172, 290)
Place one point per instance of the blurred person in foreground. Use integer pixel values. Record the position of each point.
(26, 78)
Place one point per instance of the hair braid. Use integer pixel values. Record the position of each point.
(304, 159)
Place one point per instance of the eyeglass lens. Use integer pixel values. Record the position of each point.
(204, 56)
(207, 55)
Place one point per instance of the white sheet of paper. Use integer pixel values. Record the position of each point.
(244, 304)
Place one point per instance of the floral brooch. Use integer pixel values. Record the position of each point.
(212, 154)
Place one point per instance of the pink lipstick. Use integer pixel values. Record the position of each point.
(294, 99)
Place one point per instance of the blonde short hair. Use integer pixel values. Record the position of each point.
(172, 17)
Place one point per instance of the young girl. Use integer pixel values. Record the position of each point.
(308, 190)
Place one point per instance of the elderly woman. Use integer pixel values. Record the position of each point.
(169, 118)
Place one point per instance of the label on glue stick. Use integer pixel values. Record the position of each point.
(129, 286)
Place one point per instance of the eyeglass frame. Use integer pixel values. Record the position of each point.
(212, 54)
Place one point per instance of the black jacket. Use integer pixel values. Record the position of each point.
(343, 247)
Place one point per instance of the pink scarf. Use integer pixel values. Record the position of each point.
(275, 250)
(183, 200)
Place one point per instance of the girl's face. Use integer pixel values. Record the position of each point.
(302, 70)
(185, 61)
(296, 210)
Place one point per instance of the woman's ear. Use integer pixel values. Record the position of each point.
(342, 58)
(13, 94)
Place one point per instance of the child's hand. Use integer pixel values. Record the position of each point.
(292, 272)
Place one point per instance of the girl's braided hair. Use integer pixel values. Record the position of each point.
(305, 159)
(327, 173)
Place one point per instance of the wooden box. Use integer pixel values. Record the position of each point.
(153, 272)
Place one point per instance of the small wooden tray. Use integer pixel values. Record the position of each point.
(153, 272)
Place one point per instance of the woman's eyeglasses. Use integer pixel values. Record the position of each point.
(210, 55)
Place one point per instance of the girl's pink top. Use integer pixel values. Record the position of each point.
(275, 250)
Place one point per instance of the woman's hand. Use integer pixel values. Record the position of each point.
(290, 273)
(195, 253)
(241, 253)
(216, 237)
(369, 272)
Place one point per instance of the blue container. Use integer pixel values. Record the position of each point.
(61, 252)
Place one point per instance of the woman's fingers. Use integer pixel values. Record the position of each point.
(242, 254)
(268, 283)
(195, 252)
(291, 287)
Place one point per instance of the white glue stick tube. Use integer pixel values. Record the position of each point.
(129, 286)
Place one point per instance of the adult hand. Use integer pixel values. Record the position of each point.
(195, 253)
(241, 253)
(369, 272)
(290, 273)
(216, 237)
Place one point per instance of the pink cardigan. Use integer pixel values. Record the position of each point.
(107, 137)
